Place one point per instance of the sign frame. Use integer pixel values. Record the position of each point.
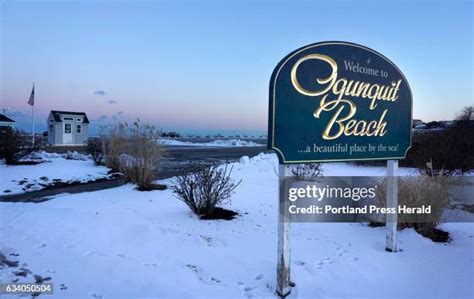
(272, 104)
(284, 284)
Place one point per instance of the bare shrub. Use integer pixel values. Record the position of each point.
(461, 149)
(307, 172)
(14, 145)
(205, 188)
(115, 146)
(96, 147)
(418, 191)
(449, 151)
(134, 151)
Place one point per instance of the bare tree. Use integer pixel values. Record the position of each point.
(466, 114)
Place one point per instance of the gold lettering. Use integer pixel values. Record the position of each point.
(329, 80)
(373, 96)
(334, 119)
(396, 88)
(342, 121)
(362, 90)
(383, 93)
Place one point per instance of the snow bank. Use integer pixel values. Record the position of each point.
(330, 169)
(244, 160)
(214, 143)
(55, 168)
(47, 156)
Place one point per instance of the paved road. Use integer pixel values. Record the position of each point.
(181, 159)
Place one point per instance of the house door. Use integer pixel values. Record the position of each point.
(67, 136)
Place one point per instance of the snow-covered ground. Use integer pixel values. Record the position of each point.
(122, 243)
(55, 168)
(214, 143)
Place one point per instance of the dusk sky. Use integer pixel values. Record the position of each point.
(205, 66)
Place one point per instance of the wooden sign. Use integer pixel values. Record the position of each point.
(336, 101)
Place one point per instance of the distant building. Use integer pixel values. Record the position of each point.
(67, 128)
(5, 121)
(418, 123)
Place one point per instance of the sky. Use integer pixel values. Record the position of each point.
(204, 66)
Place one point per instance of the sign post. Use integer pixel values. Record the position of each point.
(336, 101)
(392, 203)
(284, 235)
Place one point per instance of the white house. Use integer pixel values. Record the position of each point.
(67, 128)
(5, 121)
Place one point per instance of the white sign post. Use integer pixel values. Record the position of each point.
(284, 235)
(392, 202)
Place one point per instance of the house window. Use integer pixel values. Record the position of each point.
(67, 128)
(78, 120)
(51, 128)
(68, 118)
(78, 129)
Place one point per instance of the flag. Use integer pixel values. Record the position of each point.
(31, 101)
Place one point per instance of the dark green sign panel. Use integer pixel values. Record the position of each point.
(338, 101)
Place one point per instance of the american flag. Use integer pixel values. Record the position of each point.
(31, 101)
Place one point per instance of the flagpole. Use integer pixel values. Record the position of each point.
(33, 120)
